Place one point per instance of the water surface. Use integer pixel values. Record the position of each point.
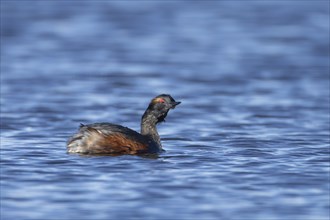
(249, 141)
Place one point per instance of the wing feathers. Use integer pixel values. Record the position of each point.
(94, 140)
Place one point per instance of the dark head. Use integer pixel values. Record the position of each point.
(159, 107)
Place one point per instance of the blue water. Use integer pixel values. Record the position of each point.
(250, 139)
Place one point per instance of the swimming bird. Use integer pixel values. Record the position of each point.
(108, 138)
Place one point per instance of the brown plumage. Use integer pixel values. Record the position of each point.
(107, 138)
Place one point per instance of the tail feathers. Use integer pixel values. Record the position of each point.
(80, 142)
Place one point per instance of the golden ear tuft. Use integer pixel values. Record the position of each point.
(158, 100)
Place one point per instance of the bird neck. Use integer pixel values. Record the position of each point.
(148, 127)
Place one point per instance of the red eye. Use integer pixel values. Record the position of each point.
(161, 100)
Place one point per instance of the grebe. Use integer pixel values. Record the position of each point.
(107, 138)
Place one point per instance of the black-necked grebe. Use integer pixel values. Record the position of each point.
(107, 138)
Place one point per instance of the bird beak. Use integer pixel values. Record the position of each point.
(175, 104)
